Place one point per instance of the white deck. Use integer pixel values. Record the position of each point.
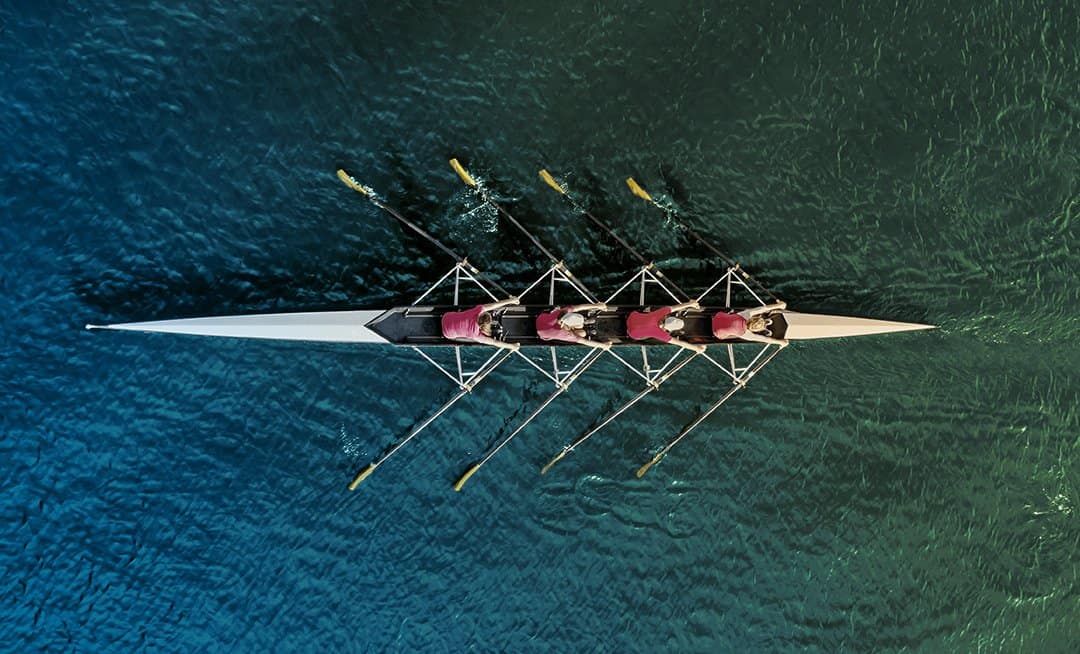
(324, 326)
(806, 326)
(348, 326)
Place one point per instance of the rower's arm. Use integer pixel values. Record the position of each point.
(603, 345)
(760, 338)
(687, 346)
(600, 306)
(768, 308)
(494, 342)
(692, 304)
(503, 303)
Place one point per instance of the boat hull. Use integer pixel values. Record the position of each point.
(320, 326)
(422, 326)
(810, 326)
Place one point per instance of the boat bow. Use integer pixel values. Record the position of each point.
(807, 326)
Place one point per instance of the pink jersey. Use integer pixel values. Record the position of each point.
(548, 329)
(640, 326)
(728, 325)
(462, 325)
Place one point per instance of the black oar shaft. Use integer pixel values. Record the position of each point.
(728, 260)
(654, 385)
(366, 192)
(515, 223)
(739, 384)
(636, 189)
(611, 232)
(640, 257)
(563, 386)
(491, 365)
(550, 181)
(486, 197)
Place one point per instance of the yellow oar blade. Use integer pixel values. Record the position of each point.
(465, 477)
(546, 176)
(362, 476)
(636, 189)
(557, 458)
(350, 182)
(645, 468)
(462, 173)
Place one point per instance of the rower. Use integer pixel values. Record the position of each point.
(474, 325)
(749, 325)
(568, 324)
(659, 324)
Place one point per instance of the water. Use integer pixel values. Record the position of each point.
(912, 162)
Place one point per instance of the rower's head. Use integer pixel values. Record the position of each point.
(758, 323)
(572, 320)
(672, 324)
(484, 321)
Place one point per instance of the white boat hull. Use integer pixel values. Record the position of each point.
(356, 327)
(809, 326)
(323, 326)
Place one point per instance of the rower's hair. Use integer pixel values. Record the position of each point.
(757, 323)
(485, 323)
(572, 320)
(672, 324)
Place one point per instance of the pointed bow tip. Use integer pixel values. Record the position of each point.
(805, 326)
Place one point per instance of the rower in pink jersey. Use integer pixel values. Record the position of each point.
(567, 324)
(659, 324)
(474, 325)
(747, 324)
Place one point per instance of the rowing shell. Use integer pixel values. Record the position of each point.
(421, 326)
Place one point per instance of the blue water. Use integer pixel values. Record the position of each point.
(911, 162)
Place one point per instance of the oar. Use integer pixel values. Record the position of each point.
(636, 189)
(469, 181)
(637, 398)
(467, 388)
(591, 358)
(546, 176)
(370, 195)
(738, 384)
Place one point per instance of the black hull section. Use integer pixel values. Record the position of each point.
(422, 325)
